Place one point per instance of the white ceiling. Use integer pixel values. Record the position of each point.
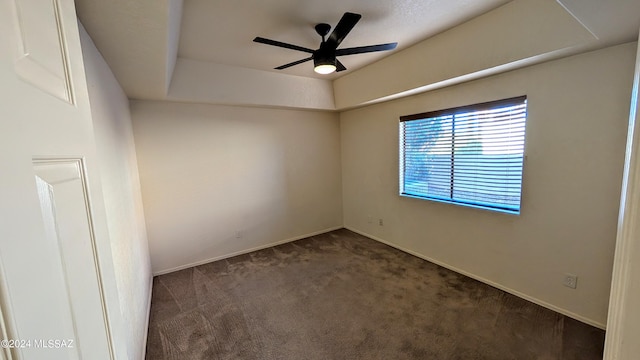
(611, 20)
(222, 31)
(143, 41)
(138, 39)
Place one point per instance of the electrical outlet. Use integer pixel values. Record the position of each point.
(369, 219)
(238, 234)
(380, 222)
(570, 281)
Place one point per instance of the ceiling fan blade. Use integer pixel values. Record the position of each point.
(281, 44)
(293, 63)
(366, 49)
(340, 66)
(342, 29)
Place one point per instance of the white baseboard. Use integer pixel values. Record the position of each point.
(486, 281)
(242, 252)
(146, 333)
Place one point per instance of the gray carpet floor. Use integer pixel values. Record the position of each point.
(341, 295)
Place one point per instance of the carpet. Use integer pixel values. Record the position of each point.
(341, 295)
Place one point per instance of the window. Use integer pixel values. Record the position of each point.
(471, 155)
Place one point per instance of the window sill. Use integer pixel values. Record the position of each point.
(468, 205)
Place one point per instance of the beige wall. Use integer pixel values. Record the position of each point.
(200, 81)
(219, 180)
(577, 120)
(122, 198)
(508, 37)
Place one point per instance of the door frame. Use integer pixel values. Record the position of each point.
(626, 266)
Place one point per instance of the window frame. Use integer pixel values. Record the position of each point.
(489, 105)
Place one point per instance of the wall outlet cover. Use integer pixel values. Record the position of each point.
(570, 281)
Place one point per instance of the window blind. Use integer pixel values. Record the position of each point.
(471, 155)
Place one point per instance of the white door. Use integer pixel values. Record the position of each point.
(51, 281)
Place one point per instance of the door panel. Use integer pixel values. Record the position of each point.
(40, 46)
(69, 236)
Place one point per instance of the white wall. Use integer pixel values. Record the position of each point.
(122, 196)
(219, 180)
(576, 128)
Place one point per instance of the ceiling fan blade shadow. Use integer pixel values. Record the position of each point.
(366, 49)
(293, 63)
(340, 66)
(281, 44)
(342, 29)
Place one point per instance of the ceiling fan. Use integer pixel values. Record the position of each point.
(324, 58)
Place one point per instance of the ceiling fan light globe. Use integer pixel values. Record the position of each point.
(324, 69)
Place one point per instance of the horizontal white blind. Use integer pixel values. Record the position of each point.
(471, 155)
